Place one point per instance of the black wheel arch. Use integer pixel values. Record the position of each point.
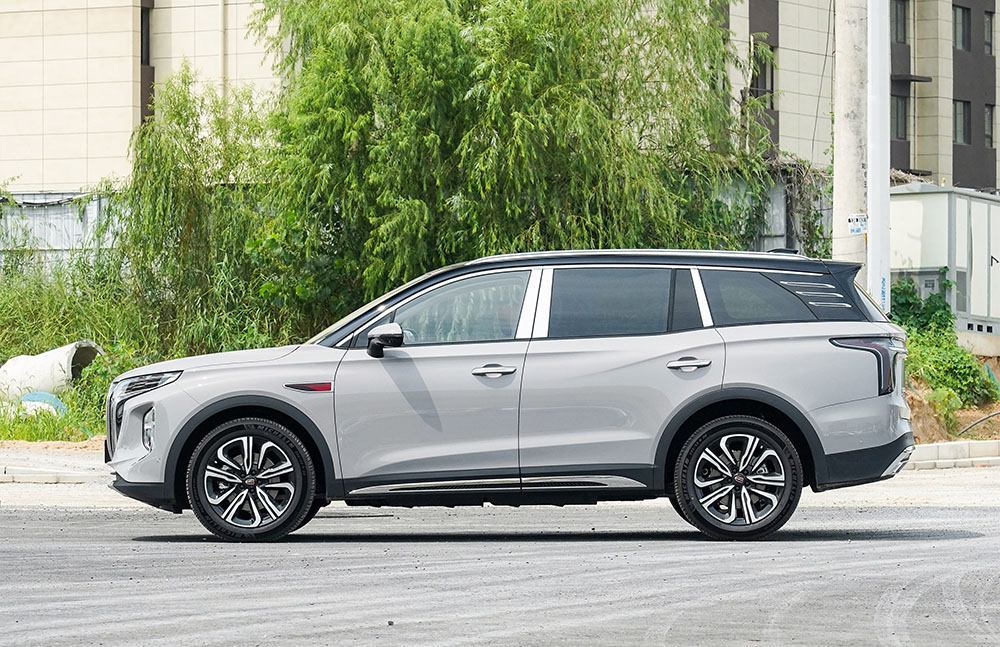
(740, 401)
(258, 406)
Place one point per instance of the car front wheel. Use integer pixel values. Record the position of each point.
(738, 477)
(251, 480)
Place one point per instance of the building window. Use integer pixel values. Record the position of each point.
(961, 27)
(897, 118)
(144, 35)
(988, 35)
(897, 19)
(989, 126)
(762, 81)
(961, 121)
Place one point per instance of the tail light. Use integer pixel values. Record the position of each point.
(886, 351)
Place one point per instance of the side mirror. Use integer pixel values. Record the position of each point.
(390, 334)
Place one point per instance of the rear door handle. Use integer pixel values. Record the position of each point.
(688, 364)
(493, 370)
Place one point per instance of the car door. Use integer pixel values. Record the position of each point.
(616, 350)
(444, 405)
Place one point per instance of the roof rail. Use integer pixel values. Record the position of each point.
(783, 250)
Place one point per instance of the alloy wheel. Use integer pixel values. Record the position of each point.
(250, 482)
(739, 479)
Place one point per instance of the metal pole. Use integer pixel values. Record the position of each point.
(878, 152)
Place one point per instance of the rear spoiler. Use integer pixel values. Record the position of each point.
(843, 274)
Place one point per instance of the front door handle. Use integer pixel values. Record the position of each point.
(688, 364)
(493, 370)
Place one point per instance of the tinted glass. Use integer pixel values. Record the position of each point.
(604, 302)
(686, 314)
(481, 308)
(750, 297)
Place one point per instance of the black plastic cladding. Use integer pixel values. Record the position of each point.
(842, 273)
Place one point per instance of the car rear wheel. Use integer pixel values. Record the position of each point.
(251, 479)
(738, 477)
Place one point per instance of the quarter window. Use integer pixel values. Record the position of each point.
(749, 298)
(476, 309)
(605, 302)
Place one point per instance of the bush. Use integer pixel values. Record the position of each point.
(955, 375)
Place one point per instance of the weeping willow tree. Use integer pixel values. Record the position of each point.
(414, 133)
(177, 227)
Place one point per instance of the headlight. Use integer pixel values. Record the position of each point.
(133, 386)
(148, 429)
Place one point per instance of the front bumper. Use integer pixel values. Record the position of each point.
(157, 495)
(867, 465)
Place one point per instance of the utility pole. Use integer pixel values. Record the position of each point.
(861, 141)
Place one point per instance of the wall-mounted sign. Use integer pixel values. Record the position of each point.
(857, 223)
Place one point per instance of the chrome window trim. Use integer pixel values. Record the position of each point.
(541, 329)
(526, 322)
(382, 310)
(699, 291)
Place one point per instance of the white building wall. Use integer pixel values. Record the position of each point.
(69, 91)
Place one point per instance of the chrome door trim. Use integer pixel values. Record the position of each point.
(541, 328)
(578, 481)
(526, 322)
(699, 291)
(568, 482)
(437, 486)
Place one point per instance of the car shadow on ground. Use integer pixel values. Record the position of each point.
(787, 536)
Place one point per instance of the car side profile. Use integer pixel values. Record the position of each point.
(725, 381)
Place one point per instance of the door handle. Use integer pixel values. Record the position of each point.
(493, 370)
(688, 364)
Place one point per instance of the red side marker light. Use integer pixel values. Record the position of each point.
(316, 387)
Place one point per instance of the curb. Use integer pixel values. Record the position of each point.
(959, 453)
(18, 474)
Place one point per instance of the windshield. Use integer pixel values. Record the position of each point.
(343, 321)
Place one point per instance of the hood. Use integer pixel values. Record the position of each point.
(212, 361)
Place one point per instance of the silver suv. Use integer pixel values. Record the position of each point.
(723, 381)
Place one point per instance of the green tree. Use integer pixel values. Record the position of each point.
(414, 133)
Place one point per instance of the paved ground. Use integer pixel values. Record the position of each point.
(915, 560)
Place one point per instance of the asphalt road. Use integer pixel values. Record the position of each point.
(873, 571)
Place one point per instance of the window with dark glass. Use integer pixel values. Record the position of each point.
(686, 313)
(988, 34)
(961, 121)
(988, 127)
(897, 117)
(897, 20)
(762, 81)
(961, 26)
(608, 302)
(749, 298)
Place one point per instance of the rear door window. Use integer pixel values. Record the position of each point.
(750, 298)
(607, 302)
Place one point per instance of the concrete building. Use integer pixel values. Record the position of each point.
(76, 78)
(943, 83)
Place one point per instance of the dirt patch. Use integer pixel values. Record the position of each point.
(927, 428)
(90, 445)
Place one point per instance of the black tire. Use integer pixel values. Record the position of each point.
(697, 478)
(248, 505)
(677, 507)
(316, 506)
